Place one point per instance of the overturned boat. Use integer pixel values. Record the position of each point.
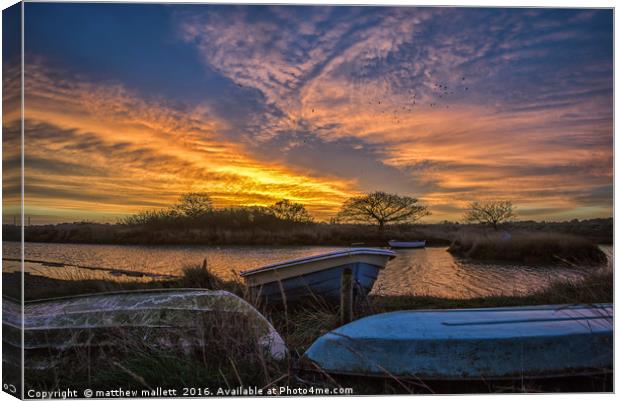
(173, 319)
(317, 276)
(479, 344)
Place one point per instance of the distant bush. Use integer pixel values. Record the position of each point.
(528, 247)
(282, 214)
(291, 211)
(150, 217)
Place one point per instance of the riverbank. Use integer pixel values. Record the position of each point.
(598, 231)
(299, 325)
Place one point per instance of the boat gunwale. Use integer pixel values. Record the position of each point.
(558, 307)
(316, 258)
(337, 332)
(196, 309)
(204, 291)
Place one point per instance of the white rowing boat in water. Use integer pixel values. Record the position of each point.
(406, 244)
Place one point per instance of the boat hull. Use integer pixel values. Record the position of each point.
(478, 344)
(317, 277)
(321, 285)
(407, 244)
(168, 319)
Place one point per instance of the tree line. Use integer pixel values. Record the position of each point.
(378, 208)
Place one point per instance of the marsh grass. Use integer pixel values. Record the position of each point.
(246, 228)
(527, 247)
(227, 233)
(223, 358)
(303, 324)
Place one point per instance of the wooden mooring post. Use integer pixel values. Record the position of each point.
(346, 296)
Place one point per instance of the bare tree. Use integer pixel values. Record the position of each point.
(193, 204)
(382, 208)
(492, 212)
(291, 211)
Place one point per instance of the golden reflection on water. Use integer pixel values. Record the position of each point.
(430, 271)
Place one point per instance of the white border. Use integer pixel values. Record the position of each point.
(479, 3)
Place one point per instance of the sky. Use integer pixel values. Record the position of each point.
(128, 106)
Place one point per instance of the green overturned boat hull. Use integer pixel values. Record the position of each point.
(169, 319)
(478, 344)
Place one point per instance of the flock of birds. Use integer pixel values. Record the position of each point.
(440, 90)
(443, 90)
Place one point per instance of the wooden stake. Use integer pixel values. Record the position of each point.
(346, 296)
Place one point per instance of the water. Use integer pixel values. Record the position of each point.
(430, 271)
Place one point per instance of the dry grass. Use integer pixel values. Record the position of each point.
(528, 247)
(223, 352)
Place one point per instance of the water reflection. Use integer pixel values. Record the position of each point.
(434, 271)
(430, 271)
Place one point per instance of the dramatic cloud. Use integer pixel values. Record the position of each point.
(255, 104)
(473, 104)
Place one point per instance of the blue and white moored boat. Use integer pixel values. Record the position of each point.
(406, 244)
(494, 343)
(318, 276)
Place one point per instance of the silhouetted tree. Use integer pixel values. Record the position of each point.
(491, 212)
(291, 211)
(194, 204)
(382, 208)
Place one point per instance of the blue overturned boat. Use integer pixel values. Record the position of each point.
(479, 344)
(317, 276)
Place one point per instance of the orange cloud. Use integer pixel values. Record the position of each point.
(473, 152)
(102, 149)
